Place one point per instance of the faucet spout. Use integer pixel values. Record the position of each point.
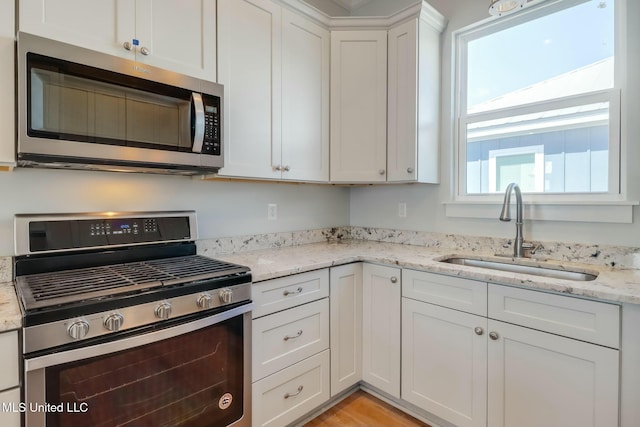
(505, 215)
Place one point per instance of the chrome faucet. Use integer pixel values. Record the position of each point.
(519, 245)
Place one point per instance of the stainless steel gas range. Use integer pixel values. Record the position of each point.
(125, 325)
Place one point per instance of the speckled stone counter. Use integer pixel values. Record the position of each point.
(612, 284)
(282, 254)
(10, 314)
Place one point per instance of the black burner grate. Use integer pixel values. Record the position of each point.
(46, 289)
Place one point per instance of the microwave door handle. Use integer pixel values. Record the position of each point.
(198, 122)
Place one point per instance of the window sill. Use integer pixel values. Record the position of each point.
(620, 212)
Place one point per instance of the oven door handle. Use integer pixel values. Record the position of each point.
(131, 342)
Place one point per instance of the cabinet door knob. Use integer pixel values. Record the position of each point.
(127, 45)
(145, 51)
(277, 168)
(409, 170)
(394, 279)
(286, 168)
(494, 335)
(381, 171)
(478, 330)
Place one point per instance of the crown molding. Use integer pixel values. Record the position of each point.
(421, 10)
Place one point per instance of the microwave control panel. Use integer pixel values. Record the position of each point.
(211, 143)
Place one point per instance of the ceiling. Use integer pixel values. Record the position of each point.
(351, 5)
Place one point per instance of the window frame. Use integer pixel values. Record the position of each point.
(616, 193)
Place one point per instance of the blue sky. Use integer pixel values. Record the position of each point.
(518, 57)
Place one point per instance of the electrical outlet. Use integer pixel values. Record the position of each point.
(402, 210)
(272, 211)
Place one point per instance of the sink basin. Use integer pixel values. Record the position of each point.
(536, 269)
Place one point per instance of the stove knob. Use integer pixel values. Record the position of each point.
(78, 329)
(114, 322)
(204, 301)
(226, 296)
(163, 311)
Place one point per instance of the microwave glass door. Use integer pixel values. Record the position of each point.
(75, 102)
(191, 380)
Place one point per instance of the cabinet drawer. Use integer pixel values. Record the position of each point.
(10, 418)
(285, 396)
(279, 294)
(447, 291)
(9, 360)
(590, 321)
(284, 338)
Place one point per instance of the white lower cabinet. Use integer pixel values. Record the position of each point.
(9, 380)
(346, 326)
(287, 395)
(540, 379)
(444, 362)
(381, 292)
(284, 338)
(474, 371)
(10, 418)
(290, 347)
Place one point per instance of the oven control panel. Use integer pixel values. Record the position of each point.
(51, 235)
(71, 330)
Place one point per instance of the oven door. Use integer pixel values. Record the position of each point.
(194, 374)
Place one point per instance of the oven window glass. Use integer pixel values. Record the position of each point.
(178, 382)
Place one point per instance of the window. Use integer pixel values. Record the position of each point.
(538, 103)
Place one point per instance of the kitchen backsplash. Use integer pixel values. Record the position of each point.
(601, 255)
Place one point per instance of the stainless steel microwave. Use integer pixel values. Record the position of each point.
(83, 109)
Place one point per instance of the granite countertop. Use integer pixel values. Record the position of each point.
(10, 314)
(616, 285)
(613, 284)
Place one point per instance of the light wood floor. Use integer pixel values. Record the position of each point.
(362, 409)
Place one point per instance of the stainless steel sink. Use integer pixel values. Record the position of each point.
(514, 267)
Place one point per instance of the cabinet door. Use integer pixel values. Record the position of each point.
(381, 328)
(10, 417)
(180, 36)
(249, 67)
(305, 100)
(358, 106)
(102, 25)
(7, 89)
(444, 362)
(9, 355)
(403, 102)
(539, 379)
(346, 326)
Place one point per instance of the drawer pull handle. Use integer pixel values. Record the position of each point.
(289, 337)
(288, 395)
(297, 291)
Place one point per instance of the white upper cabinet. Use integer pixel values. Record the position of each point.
(414, 99)
(249, 67)
(7, 88)
(385, 101)
(178, 36)
(358, 106)
(305, 100)
(275, 68)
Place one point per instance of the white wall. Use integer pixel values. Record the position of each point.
(377, 206)
(223, 208)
